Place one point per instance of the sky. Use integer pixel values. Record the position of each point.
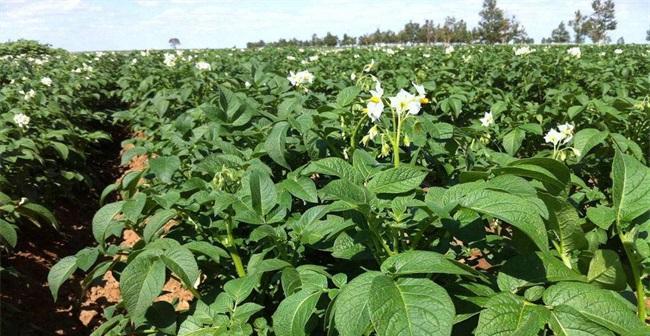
(82, 25)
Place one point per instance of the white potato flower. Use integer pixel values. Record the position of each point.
(525, 50)
(618, 51)
(29, 94)
(300, 78)
(567, 132)
(426, 55)
(203, 66)
(170, 60)
(554, 137)
(449, 50)
(47, 81)
(487, 120)
(247, 84)
(405, 101)
(291, 58)
(375, 104)
(21, 120)
(313, 58)
(575, 52)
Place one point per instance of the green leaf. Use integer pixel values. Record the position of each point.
(508, 314)
(38, 214)
(61, 148)
(601, 306)
(59, 273)
(239, 289)
(276, 143)
(141, 282)
(512, 141)
(302, 187)
(631, 189)
(335, 167)
(351, 315)
(8, 233)
(552, 173)
(566, 321)
(213, 252)
(409, 307)
(132, 208)
(156, 222)
(606, 270)
(164, 167)
(424, 262)
(345, 191)
(512, 209)
(347, 96)
(565, 225)
(291, 316)
(103, 218)
(263, 192)
(574, 111)
(602, 216)
(180, 261)
(534, 269)
(586, 139)
(396, 180)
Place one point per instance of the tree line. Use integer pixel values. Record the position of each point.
(494, 26)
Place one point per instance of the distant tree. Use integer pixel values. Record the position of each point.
(647, 35)
(257, 44)
(409, 33)
(601, 20)
(579, 24)
(546, 40)
(174, 42)
(348, 40)
(620, 40)
(560, 34)
(315, 40)
(516, 32)
(461, 33)
(330, 40)
(493, 26)
(427, 32)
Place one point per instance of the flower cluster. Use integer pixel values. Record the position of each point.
(47, 81)
(525, 50)
(170, 60)
(575, 52)
(203, 66)
(562, 135)
(300, 78)
(449, 50)
(402, 102)
(21, 120)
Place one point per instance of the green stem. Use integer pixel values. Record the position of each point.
(636, 274)
(353, 143)
(396, 142)
(234, 253)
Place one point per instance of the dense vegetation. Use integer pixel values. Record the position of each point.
(391, 191)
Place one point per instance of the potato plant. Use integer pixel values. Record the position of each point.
(379, 191)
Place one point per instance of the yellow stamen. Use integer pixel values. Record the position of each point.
(424, 100)
(374, 99)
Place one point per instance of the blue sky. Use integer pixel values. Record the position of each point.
(138, 24)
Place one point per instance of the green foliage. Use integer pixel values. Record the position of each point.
(285, 210)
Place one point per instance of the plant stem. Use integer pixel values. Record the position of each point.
(636, 274)
(234, 253)
(396, 141)
(353, 143)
